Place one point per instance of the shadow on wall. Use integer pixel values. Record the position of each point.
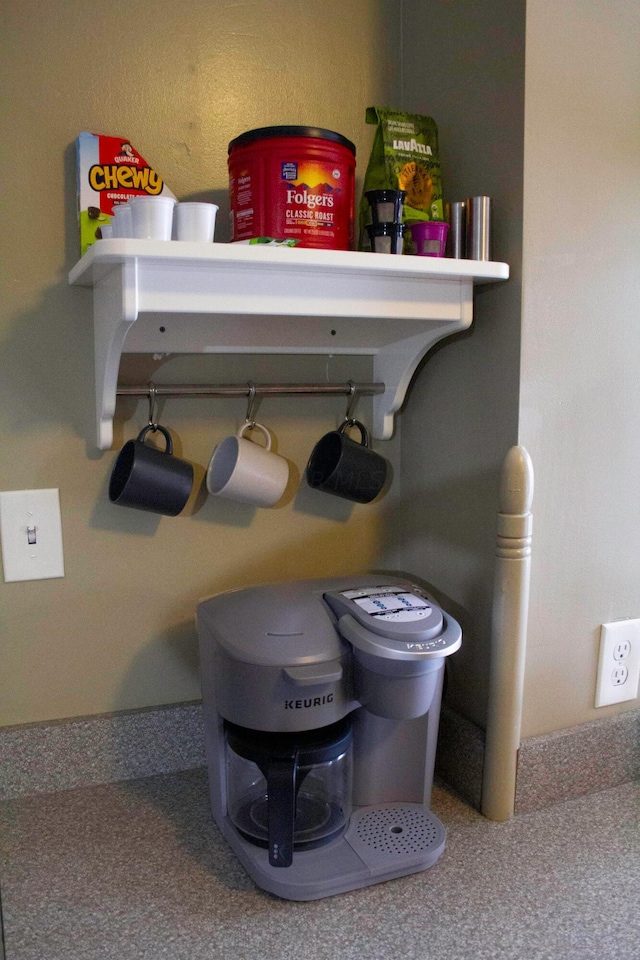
(444, 534)
(208, 508)
(46, 363)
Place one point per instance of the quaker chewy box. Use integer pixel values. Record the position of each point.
(110, 171)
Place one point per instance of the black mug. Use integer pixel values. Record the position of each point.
(346, 468)
(147, 478)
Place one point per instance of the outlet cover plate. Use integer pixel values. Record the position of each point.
(25, 516)
(614, 685)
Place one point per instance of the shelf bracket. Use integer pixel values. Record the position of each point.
(171, 297)
(115, 304)
(396, 364)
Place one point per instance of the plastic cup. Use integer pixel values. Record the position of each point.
(122, 223)
(152, 217)
(427, 238)
(195, 221)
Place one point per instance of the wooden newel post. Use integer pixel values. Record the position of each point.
(508, 635)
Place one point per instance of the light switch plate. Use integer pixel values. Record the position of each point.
(31, 534)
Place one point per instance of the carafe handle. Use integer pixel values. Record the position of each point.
(281, 794)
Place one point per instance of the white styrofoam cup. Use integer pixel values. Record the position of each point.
(195, 221)
(152, 217)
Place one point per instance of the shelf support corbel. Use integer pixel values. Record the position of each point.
(115, 304)
(396, 364)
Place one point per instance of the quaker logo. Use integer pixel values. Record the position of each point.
(308, 702)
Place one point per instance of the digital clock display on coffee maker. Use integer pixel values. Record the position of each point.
(385, 604)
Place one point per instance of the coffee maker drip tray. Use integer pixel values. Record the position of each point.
(382, 842)
(396, 833)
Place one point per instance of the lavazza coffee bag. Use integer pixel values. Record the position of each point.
(405, 157)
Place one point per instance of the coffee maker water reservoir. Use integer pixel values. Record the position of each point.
(321, 705)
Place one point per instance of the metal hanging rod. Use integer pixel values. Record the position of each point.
(248, 389)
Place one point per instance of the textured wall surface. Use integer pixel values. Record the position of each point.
(180, 81)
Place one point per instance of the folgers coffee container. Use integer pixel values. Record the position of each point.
(293, 183)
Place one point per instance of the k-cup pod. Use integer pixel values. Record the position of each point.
(195, 221)
(147, 478)
(345, 467)
(386, 237)
(245, 471)
(122, 222)
(456, 239)
(478, 230)
(426, 238)
(386, 205)
(152, 217)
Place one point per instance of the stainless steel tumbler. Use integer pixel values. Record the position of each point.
(478, 245)
(456, 241)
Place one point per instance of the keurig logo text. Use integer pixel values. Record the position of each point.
(310, 702)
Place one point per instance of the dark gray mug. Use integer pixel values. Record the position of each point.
(146, 478)
(346, 468)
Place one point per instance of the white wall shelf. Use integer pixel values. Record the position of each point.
(175, 297)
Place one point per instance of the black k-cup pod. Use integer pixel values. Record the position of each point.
(346, 468)
(386, 237)
(386, 205)
(147, 478)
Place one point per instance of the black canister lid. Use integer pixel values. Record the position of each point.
(269, 133)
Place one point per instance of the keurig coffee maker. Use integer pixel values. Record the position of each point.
(321, 706)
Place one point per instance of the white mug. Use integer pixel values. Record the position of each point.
(242, 470)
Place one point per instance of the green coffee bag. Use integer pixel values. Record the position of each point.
(404, 156)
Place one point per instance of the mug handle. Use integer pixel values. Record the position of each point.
(364, 433)
(250, 425)
(165, 433)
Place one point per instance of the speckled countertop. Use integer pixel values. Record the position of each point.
(137, 871)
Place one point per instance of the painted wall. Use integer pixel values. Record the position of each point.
(570, 121)
(180, 81)
(580, 390)
(463, 63)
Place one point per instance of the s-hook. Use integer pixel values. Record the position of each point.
(251, 405)
(153, 394)
(349, 419)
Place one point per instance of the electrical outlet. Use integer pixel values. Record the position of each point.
(621, 650)
(619, 663)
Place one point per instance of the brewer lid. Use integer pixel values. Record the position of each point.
(277, 625)
(269, 133)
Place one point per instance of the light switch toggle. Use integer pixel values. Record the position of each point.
(31, 534)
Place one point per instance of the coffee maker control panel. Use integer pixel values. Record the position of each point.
(395, 607)
(396, 612)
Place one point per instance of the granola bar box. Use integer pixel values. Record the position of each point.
(110, 171)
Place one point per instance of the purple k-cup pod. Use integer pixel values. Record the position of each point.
(427, 238)
(346, 468)
(147, 478)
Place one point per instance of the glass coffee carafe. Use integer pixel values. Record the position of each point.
(289, 791)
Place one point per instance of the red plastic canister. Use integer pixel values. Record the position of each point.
(293, 183)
